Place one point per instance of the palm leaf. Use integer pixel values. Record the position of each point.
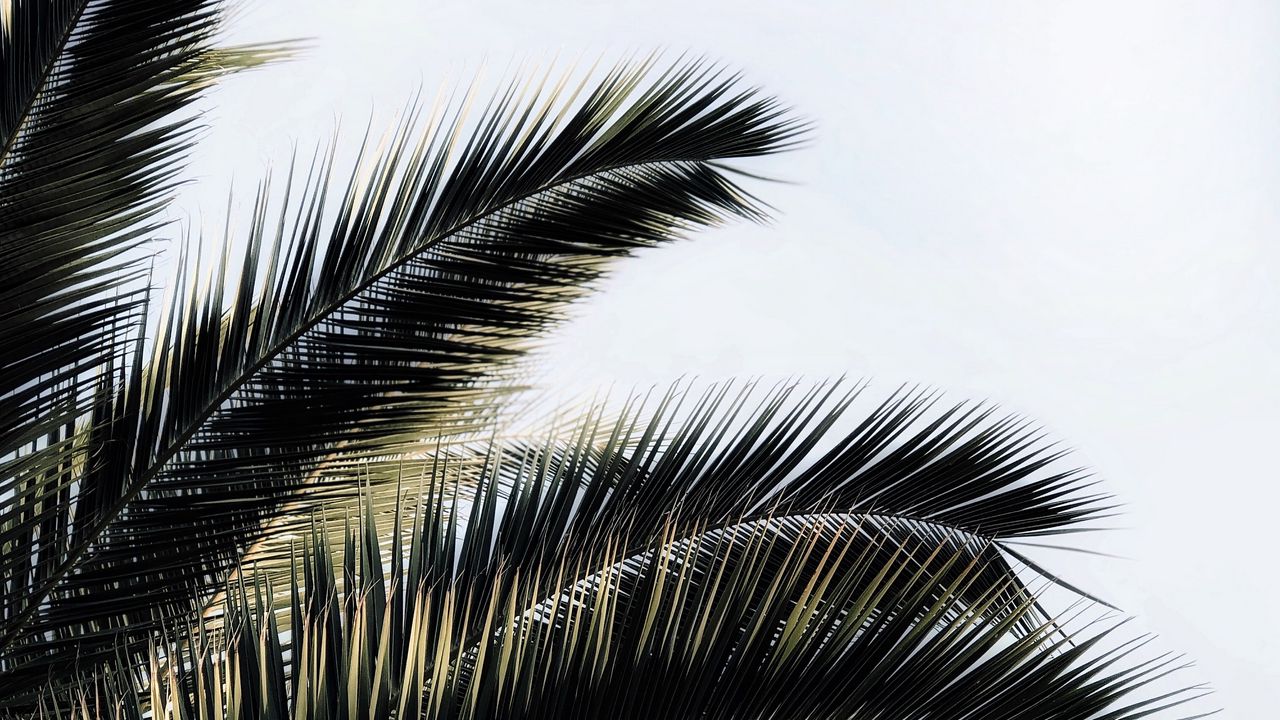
(749, 559)
(820, 617)
(362, 322)
(89, 150)
(537, 513)
(906, 466)
(91, 139)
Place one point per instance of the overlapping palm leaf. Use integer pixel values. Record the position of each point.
(754, 556)
(730, 457)
(90, 146)
(373, 313)
(822, 615)
(91, 139)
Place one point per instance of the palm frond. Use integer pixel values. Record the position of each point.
(371, 313)
(751, 556)
(90, 142)
(906, 466)
(821, 617)
(696, 464)
(91, 136)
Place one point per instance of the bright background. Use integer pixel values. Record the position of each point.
(1070, 210)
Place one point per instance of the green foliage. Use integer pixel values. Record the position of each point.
(562, 581)
(170, 469)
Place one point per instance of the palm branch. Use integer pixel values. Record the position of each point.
(559, 580)
(372, 311)
(158, 454)
(92, 137)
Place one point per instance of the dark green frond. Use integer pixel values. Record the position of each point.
(373, 311)
(91, 136)
(821, 617)
(288, 490)
(696, 464)
(90, 141)
(730, 457)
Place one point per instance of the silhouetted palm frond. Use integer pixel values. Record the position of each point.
(728, 554)
(546, 592)
(91, 140)
(373, 312)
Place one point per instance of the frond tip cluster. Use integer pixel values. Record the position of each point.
(173, 472)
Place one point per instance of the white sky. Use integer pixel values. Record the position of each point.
(1071, 211)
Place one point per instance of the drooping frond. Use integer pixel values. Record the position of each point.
(91, 137)
(742, 557)
(89, 148)
(700, 462)
(697, 464)
(815, 617)
(371, 313)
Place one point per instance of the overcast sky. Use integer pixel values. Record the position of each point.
(1071, 211)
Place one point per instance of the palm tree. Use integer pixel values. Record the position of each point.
(327, 395)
